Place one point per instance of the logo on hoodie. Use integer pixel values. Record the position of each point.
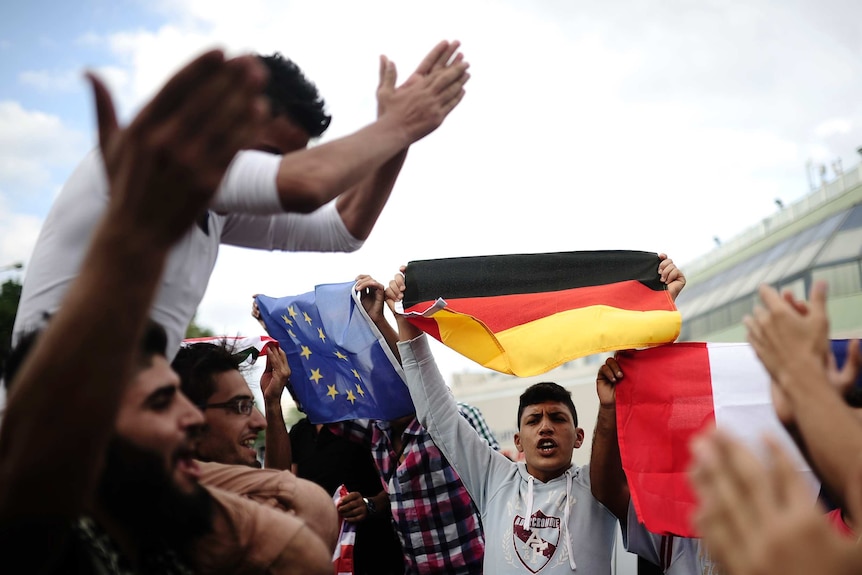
(537, 542)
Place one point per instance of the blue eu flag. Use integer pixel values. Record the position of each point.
(341, 367)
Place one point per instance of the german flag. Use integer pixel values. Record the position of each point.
(529, 313)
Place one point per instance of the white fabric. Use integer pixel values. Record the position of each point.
(501, 489)
(68, 228)
(742, 403)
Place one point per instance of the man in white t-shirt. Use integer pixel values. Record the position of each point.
(322, 199)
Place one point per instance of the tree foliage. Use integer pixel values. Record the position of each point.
(195, 330)
(10, 295)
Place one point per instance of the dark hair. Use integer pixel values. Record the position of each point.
(153, 342)
(546, 391)
(292, 94)
(196, 364)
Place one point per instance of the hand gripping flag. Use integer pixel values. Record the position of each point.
(341, 366)
(671, 393)
(342, 558)
(527, 314)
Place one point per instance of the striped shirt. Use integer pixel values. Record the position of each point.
(437, 523)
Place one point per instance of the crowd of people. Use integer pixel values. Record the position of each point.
(141, 458)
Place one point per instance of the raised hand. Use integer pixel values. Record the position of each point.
(276, 376)
(607, 379)
(371, 294)
(422, 103)
(671, 276)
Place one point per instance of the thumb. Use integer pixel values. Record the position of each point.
(106, 116)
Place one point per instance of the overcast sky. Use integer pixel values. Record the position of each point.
(587, 124)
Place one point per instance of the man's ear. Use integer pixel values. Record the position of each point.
(579, 437)
(517, 439)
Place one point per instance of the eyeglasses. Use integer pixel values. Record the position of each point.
(241, 406)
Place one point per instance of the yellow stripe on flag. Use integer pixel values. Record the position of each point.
(543, 344)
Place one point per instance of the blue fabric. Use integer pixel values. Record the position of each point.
(340, 367)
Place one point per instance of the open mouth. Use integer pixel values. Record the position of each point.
(546, 446)
(249, 443)
(185, 463)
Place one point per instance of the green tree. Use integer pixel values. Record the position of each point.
(10, 295)
(195, 330)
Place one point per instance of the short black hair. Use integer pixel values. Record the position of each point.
(153, 342)
(198, 363)
(546, 391)
(292, 94)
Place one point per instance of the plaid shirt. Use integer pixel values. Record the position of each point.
(474, 417)
(437, 523)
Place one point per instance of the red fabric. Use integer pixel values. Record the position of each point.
(502, 312)
(664, 400)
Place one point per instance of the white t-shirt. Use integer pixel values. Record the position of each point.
(246, 212)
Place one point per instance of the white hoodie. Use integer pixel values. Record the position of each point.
(568, 530)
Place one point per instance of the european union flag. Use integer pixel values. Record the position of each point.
(341, 367)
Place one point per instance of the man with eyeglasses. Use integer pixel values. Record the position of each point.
(212, 379)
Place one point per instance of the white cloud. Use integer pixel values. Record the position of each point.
(33, 143)
(51, 81)
(19, 235)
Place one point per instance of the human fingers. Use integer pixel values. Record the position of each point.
(450, 78)
(176, 90)
(106, 115)
(368, 282)
(427, 63)
(799, 305)
(610, 371)
(446, 57)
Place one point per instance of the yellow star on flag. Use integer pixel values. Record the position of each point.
(350, 397)
(332, 392)
(315, 376)
(291, 311)
(359, 390)
(356, 373)
(287, 320)
(307, 318)
(340, 355)
(320, 334)
(305, 352)
(290, 333)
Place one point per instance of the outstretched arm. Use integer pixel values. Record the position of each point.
(273, 380)
(310, 178)
(361, 205)
(607, 479)
(791, 339)
(163, 170)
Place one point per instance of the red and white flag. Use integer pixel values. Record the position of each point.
(671, 393)
(249, 348)
(342, 559)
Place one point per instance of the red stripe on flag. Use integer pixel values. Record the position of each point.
(664, 400)
(502, 312)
